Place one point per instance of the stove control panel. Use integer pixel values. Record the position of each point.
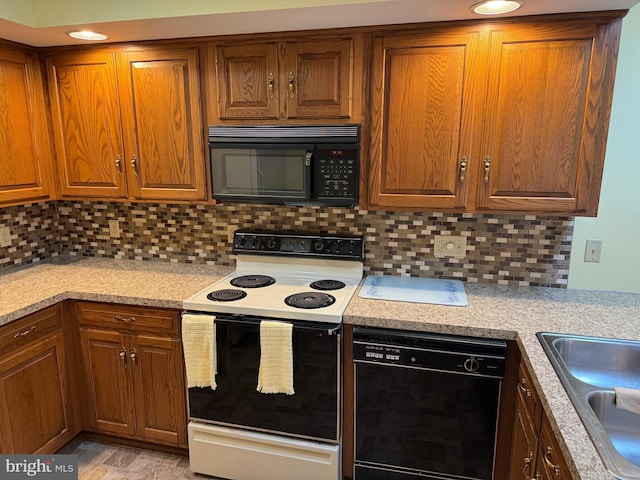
(301, 244)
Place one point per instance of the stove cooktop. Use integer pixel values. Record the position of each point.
(288, 276)
(295, 297)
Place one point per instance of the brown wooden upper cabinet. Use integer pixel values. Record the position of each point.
(508, 117)
(311, 80)
(25, 151)
(128, 124)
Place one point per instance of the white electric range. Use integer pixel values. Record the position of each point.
(237, 432)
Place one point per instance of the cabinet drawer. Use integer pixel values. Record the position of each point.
(529, 395)
(130, 319)
(15, 335)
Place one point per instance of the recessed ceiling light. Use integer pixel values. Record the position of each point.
(87, 35)
(496, 7)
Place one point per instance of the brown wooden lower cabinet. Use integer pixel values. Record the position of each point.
(535, 453)
(35, 408)
(133, 374)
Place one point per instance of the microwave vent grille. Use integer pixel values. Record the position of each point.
(284, 131)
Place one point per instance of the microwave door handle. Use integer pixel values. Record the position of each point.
(307, 168)
(259, 178)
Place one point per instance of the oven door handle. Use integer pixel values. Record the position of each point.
(328, 328)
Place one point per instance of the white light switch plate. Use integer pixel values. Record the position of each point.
(593, 250)
(5, 237)
(452, 246)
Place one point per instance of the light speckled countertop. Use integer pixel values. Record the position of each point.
(155, 284)
(493, 311)
(518, 314)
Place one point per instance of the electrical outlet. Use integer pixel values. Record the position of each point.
(5, 237)
(230, 231)
(114, 228)
(450, 246)
(593, 250)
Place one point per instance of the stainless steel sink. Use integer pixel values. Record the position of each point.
(601, 362)
(622, 427)
(589, 368)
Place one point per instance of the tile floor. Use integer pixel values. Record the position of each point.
(105, 461)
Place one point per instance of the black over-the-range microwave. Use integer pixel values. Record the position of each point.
(292, 164)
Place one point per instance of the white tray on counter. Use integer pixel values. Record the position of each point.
(413, 289)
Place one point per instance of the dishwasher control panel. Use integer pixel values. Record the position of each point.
(446, 353)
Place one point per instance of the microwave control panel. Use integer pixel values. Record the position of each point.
(337, 173)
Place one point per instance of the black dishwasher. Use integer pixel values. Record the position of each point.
(426, 405)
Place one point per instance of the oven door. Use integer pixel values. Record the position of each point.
(312, 412)
(261, 171)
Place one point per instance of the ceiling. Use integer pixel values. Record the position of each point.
(44, 22)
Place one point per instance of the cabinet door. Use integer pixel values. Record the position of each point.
(524, 445)
(161, 118)
(86, 122)
(425, 93)
(34, 398)
(551, 462)
(160, 389)
(25, 155)
(546, 118)
(319, 79)
(109, 381)
(248, 83)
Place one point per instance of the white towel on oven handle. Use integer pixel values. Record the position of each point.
(275, 374)
(199, 347)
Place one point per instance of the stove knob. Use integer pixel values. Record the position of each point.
(318, 246)
(242, 241)
(253, 242)
(337, 249)
(271, 243)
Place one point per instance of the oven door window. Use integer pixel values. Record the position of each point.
(312, 412)
(278, 172)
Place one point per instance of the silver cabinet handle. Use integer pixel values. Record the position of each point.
(134, 164)
(523, 388)
(123, 356)
(487, 167)
(547, 460)
(292, 79)
(463, 168)
(26, 332)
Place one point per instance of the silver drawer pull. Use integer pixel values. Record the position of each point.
(522, 387)
(25, 333)
(123, 319)
(550, 464)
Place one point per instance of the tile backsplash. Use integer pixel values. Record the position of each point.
(501, 249)
(34, 234)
